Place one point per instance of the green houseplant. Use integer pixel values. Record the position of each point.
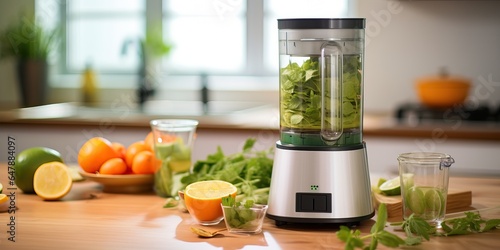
(30, 44)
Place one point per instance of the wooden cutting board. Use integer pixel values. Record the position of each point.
(458, 200)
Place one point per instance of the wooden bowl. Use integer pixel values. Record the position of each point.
(126, 183)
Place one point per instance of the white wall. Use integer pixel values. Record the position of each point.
(408, 39)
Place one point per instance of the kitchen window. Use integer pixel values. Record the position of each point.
(231, 41)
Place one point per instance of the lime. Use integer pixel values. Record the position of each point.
(52, 181)
(391, 187)
(434, 201)
(415, 200)
(28, 161)
(163, 150)
(381, 181)
(179, 166)
(408, 181)
(376, 188)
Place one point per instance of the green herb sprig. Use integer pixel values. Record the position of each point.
(471, 223)
(416, 230)
(378, 234)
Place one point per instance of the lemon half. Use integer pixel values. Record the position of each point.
(52, 181)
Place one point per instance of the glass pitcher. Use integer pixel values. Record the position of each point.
(321, 81)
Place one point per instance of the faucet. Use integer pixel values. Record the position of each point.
(145, 86)
(204, 92)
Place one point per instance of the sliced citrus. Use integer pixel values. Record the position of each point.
(391, 187)
(52, 181)
(203, 199)
(1, 188)
(434, 202)
(408, 181)
(415, 200)
(4, 203)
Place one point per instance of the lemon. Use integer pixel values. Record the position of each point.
(52, 181)
(28, 161)
(1, 188)
(203, 190)
(391, 187)
(4, 202)
(203, 200)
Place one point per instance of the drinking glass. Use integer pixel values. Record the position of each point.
(173, 143)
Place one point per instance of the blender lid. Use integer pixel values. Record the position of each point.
(322, 23)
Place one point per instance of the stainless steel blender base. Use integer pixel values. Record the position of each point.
(320, 186)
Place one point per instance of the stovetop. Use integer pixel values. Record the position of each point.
(418, 112)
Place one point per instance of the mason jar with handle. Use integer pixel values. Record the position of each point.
(424, 185)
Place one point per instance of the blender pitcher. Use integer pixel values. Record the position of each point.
(321, 76)
(320, 172)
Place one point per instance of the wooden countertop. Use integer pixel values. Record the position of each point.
(87, 218)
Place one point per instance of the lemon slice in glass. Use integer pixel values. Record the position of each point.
(52, 181)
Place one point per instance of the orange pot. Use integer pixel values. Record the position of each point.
(442, 91)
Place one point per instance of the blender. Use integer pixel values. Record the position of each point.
(320, 172)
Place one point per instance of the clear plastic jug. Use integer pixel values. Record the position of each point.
(321, 81)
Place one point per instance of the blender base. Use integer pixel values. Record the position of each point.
(318, 185)
(349, 222)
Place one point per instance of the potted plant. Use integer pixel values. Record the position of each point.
(30, 44)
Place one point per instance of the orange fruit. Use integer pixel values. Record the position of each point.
(113, 166)
(132, 151)
(203, 199)
(120, 148)
(94, 153)
(150, 141)
(144, 163)
(52, 181)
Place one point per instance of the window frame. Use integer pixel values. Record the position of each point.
(261, 81)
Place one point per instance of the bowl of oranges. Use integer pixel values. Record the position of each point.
(119, 168)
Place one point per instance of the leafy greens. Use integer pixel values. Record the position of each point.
(300, 91)
(249, 170)
(236, 214)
